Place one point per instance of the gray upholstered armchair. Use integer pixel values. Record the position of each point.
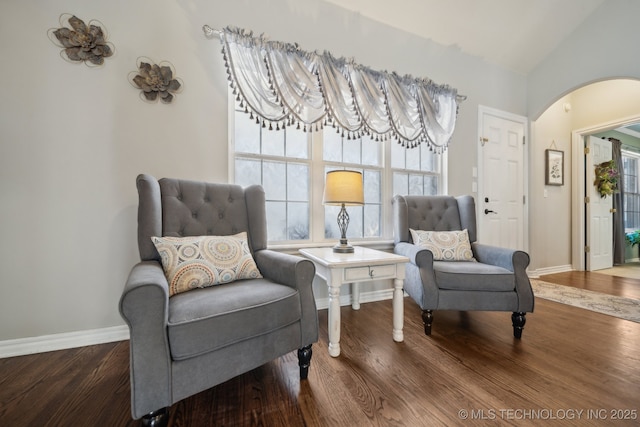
(494, 279)
(192, 341)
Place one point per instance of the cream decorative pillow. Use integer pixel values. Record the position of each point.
(445, 245)
(201, 261)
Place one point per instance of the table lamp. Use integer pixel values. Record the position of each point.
(343, 188)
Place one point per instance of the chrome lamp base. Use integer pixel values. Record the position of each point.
(343, 222)
(343, 247)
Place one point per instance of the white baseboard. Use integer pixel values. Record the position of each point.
(41, 344)
(549, 270)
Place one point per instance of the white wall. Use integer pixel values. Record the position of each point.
(604, 102)
(599, 50)
(74, 138)
(550, 214)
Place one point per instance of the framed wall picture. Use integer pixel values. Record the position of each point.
(554, 167)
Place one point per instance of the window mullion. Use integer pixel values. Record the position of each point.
(317, 188)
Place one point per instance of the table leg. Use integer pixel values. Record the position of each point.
(334, 319)
(398, 310)
(355, 296)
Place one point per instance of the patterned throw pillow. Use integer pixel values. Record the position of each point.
(445, 245)
(201, 261)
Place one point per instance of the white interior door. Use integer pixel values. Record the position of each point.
(598, 209)
(501, 193)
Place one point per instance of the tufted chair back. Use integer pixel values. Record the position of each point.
(433, 213)
(177, 208)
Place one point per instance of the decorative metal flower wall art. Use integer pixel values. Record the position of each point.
(82, 42)
(156, 81)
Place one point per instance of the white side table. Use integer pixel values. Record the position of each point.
(364, 265)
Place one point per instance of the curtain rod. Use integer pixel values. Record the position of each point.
(210, 32)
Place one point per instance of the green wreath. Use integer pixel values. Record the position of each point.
(607, 176)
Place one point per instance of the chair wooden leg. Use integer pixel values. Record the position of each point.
(304, 360)
(518, 319)
(427, 319)
(158, 418)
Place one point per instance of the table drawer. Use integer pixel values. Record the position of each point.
(370, 272)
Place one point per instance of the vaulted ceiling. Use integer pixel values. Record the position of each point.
(516, 34)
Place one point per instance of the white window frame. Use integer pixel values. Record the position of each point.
(636, 156)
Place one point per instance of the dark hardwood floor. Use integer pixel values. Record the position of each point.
(572, 367)
(598, 282)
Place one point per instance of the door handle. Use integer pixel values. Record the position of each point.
(488, 211)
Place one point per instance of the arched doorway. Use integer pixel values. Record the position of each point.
(557, 233)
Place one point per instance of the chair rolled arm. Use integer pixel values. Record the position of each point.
(144, 306)
(515, 261)
(290, 270)
(419, 256)
(146, 291)
(494, 255)
(298, 273)
(526, 300)
(420, 279)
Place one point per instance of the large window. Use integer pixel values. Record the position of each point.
(631, 191)
(291, 164)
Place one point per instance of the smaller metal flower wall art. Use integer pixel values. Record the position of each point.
(82, 42)
(156, 81)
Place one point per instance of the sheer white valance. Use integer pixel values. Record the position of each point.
(281, 85)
